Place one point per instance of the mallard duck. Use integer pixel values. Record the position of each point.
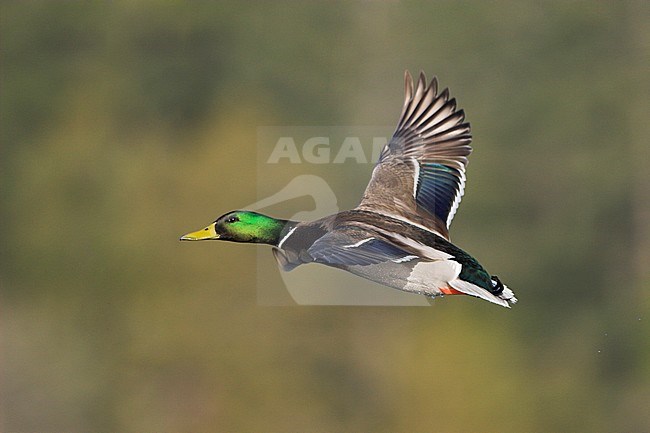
(398, 235)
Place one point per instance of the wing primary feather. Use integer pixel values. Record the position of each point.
(413, 103)
(408, 95)
(421, 107)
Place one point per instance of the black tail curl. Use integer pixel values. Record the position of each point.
(497, 285)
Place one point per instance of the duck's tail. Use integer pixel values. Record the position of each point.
(505, 297)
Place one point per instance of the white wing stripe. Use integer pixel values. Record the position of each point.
(416, 177)
(405, 259)
(358, 243)
(459, 195)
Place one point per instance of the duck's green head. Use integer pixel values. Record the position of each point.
(241, 226)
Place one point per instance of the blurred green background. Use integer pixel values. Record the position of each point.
(127, 124)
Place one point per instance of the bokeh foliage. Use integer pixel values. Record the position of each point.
(126, 124)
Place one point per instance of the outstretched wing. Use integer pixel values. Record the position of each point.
(420, 175)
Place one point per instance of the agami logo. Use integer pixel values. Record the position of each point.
(319, 150)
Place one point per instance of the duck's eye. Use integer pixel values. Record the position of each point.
(232, 219)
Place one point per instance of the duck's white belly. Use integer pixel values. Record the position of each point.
(430, 277)
(423, 277)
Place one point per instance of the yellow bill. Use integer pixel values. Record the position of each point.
(202, 235)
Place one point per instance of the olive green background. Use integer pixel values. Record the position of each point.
(126, 124)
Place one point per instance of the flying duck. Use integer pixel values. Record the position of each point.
(398, 235)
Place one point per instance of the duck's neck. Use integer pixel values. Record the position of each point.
(270, 230)
(287, 228)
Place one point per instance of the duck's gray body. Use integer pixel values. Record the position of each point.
(387, 251)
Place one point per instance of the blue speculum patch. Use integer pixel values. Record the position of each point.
(437, 188)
